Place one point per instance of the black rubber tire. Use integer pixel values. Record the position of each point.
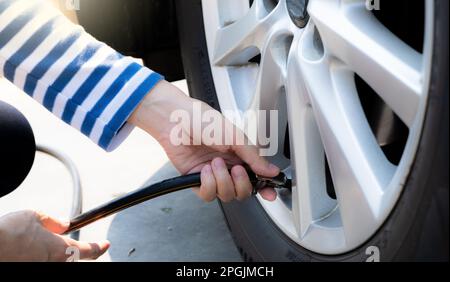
(417, 228)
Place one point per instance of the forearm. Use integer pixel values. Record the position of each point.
(153, 113)
(81, 80)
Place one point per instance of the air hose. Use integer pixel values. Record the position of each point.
(80, 220)
(77, 193)
(163, 188)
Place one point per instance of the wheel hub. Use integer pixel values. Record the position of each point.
(298, 12)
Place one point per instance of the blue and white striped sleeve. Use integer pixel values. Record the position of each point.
(79, 79)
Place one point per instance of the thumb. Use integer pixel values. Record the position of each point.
(51, 224)
(90, 251)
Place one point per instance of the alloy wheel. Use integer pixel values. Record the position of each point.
(326, 70)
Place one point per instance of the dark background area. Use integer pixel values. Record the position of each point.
(142, 29)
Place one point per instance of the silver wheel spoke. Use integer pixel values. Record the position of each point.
(352, 34)
(309, 198)
(239, 41)
(268, 93)
(270, 76)
(358, 166)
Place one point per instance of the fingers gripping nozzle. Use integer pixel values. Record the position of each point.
(163, 188)
(278, 182)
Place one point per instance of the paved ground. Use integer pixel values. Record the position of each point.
(177, 227)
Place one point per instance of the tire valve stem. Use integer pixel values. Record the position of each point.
(281, 181)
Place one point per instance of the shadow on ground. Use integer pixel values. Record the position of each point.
(175, 227)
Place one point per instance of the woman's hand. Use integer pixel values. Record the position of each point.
(35, 237)
(214, 162)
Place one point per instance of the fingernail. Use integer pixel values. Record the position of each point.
(237, 173)
(268, 194)
(207, 169)
(106, 243)
(274, 168)
(219, 163)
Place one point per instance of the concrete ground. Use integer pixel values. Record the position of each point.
(176, 227)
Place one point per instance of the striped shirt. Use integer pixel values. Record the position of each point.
(79, 79)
